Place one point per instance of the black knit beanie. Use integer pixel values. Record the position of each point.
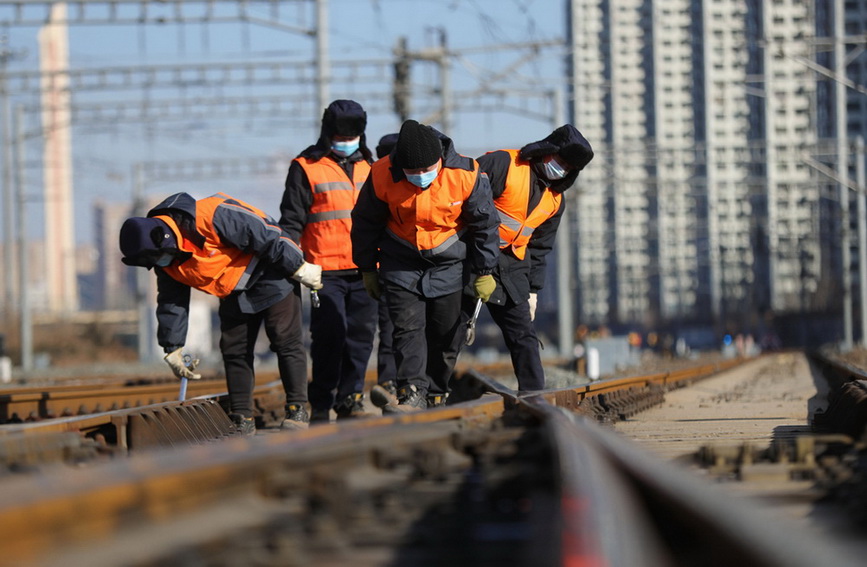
(417, 147)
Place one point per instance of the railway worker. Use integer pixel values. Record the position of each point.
(321, 188)
(386, 369)
(227, 248)
(424, 212)
(528, 186)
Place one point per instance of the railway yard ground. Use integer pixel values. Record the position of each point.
(491, 479)
(771, 399)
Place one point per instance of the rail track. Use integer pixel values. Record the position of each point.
(146, 415)
(494, 478)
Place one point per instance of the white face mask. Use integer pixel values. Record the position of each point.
(553, 170)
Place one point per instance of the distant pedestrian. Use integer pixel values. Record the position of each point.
(527, 186)
(232, 250)
(424, 212)
(321, 189)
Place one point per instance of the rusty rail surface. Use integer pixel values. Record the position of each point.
(169, 423)
(88, 505)
(36, 403)
(500, 479)
(607, 399)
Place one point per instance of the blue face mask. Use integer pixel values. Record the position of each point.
(344, 149)
(553, 170)
(423, 179)
(164, 260)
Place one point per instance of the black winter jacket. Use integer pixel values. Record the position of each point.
(517, 279)
(406, 267)
(277, 260)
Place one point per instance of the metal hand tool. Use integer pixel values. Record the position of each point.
(314, 298)
(188, 362)
(471, 324)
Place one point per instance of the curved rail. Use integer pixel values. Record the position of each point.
(847, 400)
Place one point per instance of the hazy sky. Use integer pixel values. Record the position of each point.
(104, 154)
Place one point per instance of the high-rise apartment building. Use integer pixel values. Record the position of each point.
(702, 204)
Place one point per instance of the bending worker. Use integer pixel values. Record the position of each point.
(321, 188)
(421, 214)
(528, 186)
(227, 248)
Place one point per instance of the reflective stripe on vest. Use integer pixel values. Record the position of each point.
(516, 226)
(427, 220)
(215, 268)
(325, 239)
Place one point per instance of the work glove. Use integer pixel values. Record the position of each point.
(371, 284)
(309, 275)
(484, 286)
(176, 362)
(532, 307)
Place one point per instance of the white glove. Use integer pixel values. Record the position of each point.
(175, 360)
(532, 307)
(309, 275)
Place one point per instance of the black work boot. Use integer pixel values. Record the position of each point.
(352, 406)
(436, 400)
(320, 415)
(391, 386)
(296, 417)
(384, 394)
(410, 399)
(245, 426)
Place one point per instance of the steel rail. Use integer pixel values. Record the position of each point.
(615, 506)
(36, 403)
(666, 515)
(42, 406)
(89, 505)
(847, 399)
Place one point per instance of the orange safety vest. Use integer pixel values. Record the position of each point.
(325, 239)
(215, 268)
(428, 219)
(516, 226)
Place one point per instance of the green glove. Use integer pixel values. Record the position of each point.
(371, 284)
(484, 286)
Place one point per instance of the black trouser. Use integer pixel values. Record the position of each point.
(238, 334)
(424, 337)
(341, 330)
(386, 369)
(519, 333)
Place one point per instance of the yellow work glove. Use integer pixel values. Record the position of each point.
(484, 286)
(180, 367)
(533, 298)
(371, 284)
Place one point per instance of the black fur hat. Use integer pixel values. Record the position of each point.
(567, 142)
(344, 118)
(142, 240)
